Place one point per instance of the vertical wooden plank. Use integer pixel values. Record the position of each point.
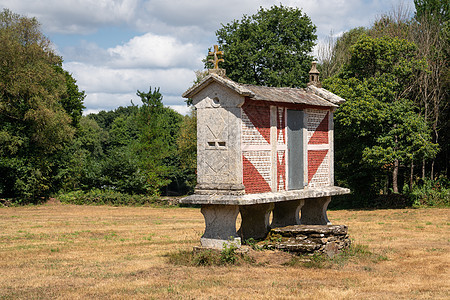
(295, 125)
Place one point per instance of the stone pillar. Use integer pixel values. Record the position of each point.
(286, 213)
(314, 211)
(220, 222)
(255, 220)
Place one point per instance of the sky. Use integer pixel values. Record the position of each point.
(115, 47)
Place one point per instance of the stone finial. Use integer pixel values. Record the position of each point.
(216, 61)
(314, 75)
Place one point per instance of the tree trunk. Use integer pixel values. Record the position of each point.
(423, 169)
(411, 176)
(395, 177)
(432, 170)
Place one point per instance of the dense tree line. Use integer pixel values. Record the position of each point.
(40, 109)
(392, 134)
(135, 149)
(47, 146)
(394, 76)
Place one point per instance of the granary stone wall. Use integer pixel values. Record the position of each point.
(219, 163)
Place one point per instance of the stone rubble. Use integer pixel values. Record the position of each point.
(308, 239)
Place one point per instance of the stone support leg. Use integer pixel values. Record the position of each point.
(286, 213)
(255, 220)
(314, 211)
(220, 226)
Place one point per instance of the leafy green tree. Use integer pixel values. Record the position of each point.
(269, 48)
(124, 131)
(378, 127)
(335, 53)
(34, 121)
(187, 153)
(156, 146)
(72, 99)
(434, 9)
(105, 118)
(431, 33)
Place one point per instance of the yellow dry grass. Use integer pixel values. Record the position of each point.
(80, 252)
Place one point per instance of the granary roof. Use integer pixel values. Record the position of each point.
(311, 95)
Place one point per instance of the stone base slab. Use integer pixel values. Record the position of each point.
(307, 239)
(219, 244)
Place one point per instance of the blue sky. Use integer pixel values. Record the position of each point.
(115, 47)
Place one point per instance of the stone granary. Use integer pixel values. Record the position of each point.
(261, 150)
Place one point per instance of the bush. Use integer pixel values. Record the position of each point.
(107, 197)
(210, 257)
(431, 193)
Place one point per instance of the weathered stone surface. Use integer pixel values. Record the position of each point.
(311, 230)
(327, 239)
(331, 249)
(219, 243)
(220, 221)
(287, 213)
(219, 188)
(255, 220)
(314, 211)
(297, 246)
(309, 194)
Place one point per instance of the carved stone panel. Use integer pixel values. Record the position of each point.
(215, 163)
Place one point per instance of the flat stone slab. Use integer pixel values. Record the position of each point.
(307, 239)
(324, 230)
(271, 197)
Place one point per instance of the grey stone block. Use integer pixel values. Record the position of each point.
(255, 220)
(286, 213)
(314, 211)
(220, 221)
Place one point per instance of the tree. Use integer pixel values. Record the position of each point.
(156, 145)
(429, 31)
(187, 152)
(378, 124)
(72, 99)
(34, 122)
(431, 34)
(269, 48)
(434, 9)
(335, 53)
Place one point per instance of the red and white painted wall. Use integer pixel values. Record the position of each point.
(264, 146)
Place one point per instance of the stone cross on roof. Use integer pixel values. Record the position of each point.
(216, 60)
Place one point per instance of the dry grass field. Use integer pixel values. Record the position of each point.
(59, 251)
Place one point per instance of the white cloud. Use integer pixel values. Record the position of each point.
(182, 109)
(108, 88)
(156, 51)
(175, 37)
(96, 79)
(76, 16)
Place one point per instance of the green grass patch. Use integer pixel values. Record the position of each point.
(209, 257)
(108, 197)
(354, 253)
